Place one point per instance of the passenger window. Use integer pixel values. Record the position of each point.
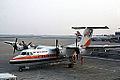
(31, 53)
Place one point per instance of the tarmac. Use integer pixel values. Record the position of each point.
(94, 68)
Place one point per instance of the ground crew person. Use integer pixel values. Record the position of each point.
(75, 60)
(81, 59)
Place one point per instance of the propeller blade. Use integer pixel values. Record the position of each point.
(13, 50)
(30, 43)
(56, 43)
(23, 42)
(57, 49)
(15, 45)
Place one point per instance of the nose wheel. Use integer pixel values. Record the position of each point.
(21, 68)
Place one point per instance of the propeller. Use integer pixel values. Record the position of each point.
(57, 49)
(15, 46)
(25, 46)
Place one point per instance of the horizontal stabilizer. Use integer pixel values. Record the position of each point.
(90, 27)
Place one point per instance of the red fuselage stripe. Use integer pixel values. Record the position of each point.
(35, 57)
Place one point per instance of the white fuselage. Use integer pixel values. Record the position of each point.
(34, 55)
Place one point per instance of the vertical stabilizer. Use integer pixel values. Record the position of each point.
(86, 37)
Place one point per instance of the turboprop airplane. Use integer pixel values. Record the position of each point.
(19, 46)
(46, 54)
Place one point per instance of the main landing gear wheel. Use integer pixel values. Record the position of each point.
(21, 68)
(70, 65)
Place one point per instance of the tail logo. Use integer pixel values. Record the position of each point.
(89, 33)
(87, 43)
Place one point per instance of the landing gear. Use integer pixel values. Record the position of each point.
(71, 64)
(21, 68)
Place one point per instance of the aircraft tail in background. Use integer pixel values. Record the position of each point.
(87, 34)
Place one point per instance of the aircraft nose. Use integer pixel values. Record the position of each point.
(11, 61)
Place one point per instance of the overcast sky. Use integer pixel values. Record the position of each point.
(57, 16)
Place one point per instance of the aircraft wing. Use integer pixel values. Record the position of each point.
(46, 47)
(89, 49)
(102, 46)
(9, 42)
(96, 47)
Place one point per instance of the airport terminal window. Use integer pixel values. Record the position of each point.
(23, 53)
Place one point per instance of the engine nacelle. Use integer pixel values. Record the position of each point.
(67, 52)
(85, 52)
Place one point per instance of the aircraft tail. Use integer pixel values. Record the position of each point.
(87, 35)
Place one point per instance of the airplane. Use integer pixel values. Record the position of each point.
(19, 46)
(46, 54)
(95, 37)
(22, 46)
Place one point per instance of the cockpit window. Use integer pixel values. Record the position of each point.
(27, 53)
(23, 53)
